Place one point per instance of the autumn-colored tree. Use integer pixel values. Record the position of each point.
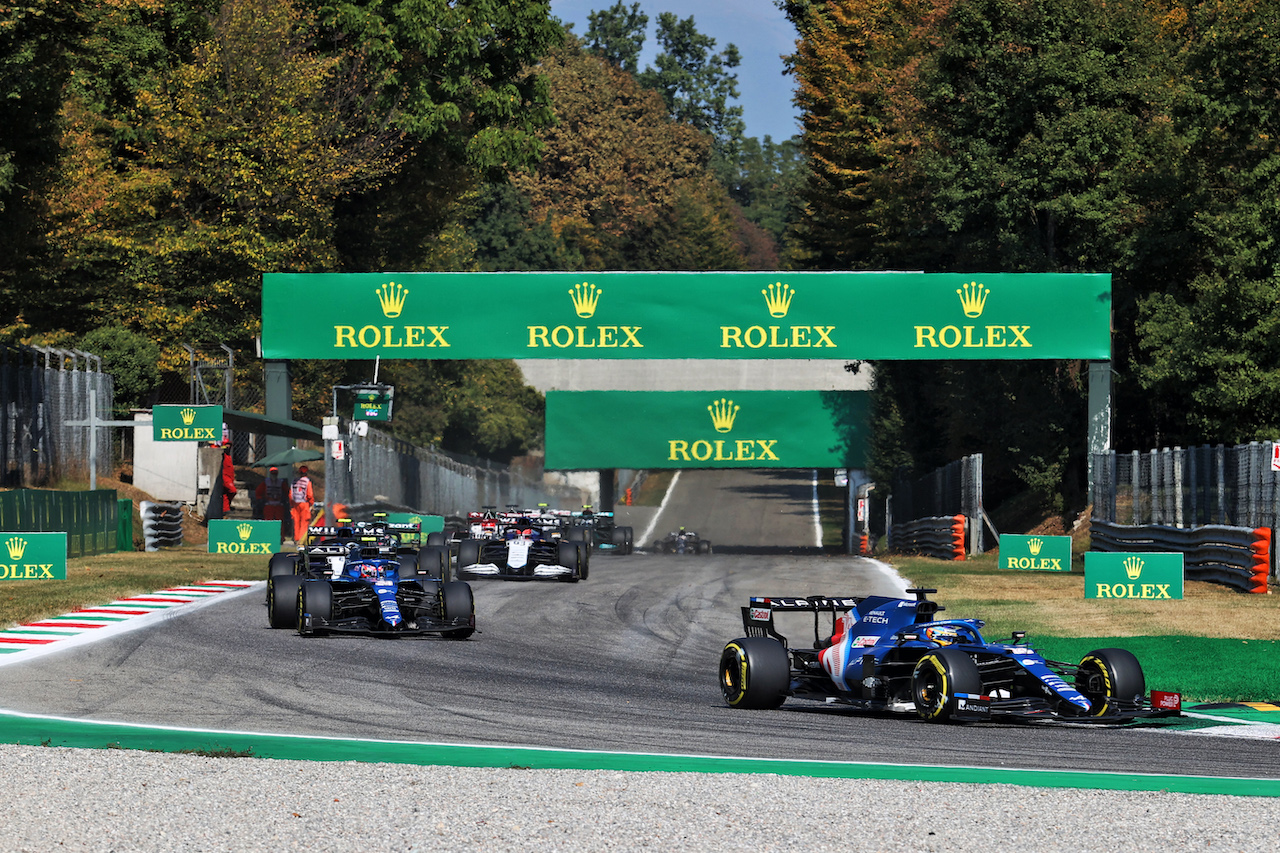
(623, 185)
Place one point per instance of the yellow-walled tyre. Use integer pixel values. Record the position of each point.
(755, 673)
(937, 678)
(1108, 676)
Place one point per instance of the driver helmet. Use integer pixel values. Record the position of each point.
(943, 635)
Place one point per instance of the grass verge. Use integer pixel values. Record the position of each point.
(106, 577)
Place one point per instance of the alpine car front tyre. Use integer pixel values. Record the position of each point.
(1107, 677)
(937, 679)
(456, 602)
(315, 603)
(282, 600)
(755, 673)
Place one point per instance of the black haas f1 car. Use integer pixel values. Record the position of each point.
(682, 542)
(364, 588)
(891, 654)
(523, 553)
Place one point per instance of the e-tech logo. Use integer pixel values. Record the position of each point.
(973, 301)
(391, 299)
(723, 414)
(777, 298)
(585, 297)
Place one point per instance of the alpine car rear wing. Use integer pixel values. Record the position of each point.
(757, 617)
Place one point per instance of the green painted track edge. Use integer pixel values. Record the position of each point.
(57, 732)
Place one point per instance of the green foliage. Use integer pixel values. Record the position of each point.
(132, 361)
(697, 85)
(617, 35)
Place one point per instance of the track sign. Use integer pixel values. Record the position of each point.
(1275, 456)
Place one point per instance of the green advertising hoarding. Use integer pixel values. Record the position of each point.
(186, 423)
(235, 536)
(1035, 553)
(706, 429)
(701, 315)
(1150, 577)
(33, 556)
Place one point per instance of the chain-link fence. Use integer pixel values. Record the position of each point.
(379, 470)
(953, 489)
(1188, 487)
(45, 392)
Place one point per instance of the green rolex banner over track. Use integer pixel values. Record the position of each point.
(708, 315)
(706, 429)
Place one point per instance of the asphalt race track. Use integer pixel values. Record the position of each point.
(624, 661)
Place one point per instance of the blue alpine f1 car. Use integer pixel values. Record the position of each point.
(894, 654)
(370, 592)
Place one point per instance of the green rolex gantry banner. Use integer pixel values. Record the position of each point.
(850, 315)
(706, 429)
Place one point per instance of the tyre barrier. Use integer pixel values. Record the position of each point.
(941, 537)
(161, 524)
(1238, 557)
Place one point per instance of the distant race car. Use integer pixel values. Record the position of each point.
(891, 654)
(600, 530)
(328, 544)
(682, 542)
(365, 593)
(522, 552)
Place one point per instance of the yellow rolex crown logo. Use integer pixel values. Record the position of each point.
(1035, 545)
(778, 297)
(391, 296)
(1133, 567)
(245, 530)
(17, 547)
(722, 414)
(585, 297)
(973, 298)
(188, 416)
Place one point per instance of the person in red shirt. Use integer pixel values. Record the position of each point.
(302, 497)
(273, 493)
(228, 478)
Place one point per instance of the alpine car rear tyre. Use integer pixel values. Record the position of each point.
(755, 673)
(408, 567)
(282, 600)
(1107, 676)
(936, 680)
(282, 564)
(436, 539)
(456, 601)
(315, 599)
(434, 563)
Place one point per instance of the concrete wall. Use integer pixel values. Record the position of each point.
(164, 469)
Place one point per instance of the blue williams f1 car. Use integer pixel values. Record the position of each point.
(892, 654)
(367, 594)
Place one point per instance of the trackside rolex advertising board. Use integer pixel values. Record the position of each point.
(701, 315)
(1150, 577)
(33, 556)
(1035, 553)
(186, 423)
(706, 429)
(234, 536)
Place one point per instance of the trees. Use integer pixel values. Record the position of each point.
(617, 35)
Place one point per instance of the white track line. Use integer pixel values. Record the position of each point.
(817, 521)
(653, 522)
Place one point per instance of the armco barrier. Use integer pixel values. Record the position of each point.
(88, 518)
(161, 525)
(1239, 557)
(939, 536)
